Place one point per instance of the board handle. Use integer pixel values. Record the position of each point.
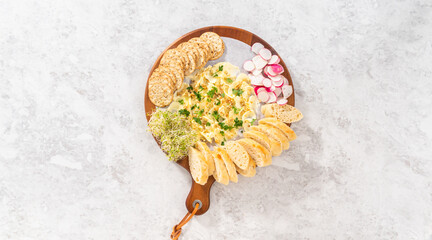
(199, 194)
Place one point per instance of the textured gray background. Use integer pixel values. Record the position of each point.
(76, 161)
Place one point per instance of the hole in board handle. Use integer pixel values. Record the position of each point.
(199, 204)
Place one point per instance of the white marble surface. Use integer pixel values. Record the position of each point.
(76, 161)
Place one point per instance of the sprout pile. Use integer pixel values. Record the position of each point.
(174, 132)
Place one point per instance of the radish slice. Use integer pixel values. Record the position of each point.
(267, 82)
(256, 47)
(277, 78)
(260, 76)
(256, 72)
(270, 72)
(276, 68)
(261, 89)
(257, 81)
(265, 54)
(278, 92)
(278, 83)
(259, 62)
(271, 88)
(274, 59)
(263, 96)
(287, 91)
(251, 76)
(272, 97)
(248, 66)
(282, 101)
(285, 81)
(258, 89)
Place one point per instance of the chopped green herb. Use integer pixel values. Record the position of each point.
(200, 87)
(200, 112)
(219, 70)
(198, 95)
(208, 99)
(212, 92)
(197, 119)
(229, 80)
(238, 123)
(216, 115)
(222, 133)
(253, 120)
(181, 101)
(190, 88)
(218, 102)
(223, 143)
(224, 126)
(237, 92)
(194, 106)
(236, 110)
(223, 94)
(184, 112)
(208, 124)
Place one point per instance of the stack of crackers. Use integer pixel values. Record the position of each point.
(182, 61)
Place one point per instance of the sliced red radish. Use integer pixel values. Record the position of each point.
(256, 72)
(270, 72)
(256, 47)
(272, 88)
(256, 81)
(287, 91)
(258, 89)
(285, 81)
(261, 89)
(267, 82)
(263, 96)
(274, 59)
(259, 62)
(272, 97)
(278, 92)
(260, 76)
(276, 78)
(276, 68)
(265, 54)
(278, 83)
(248, 66)
(282, 101)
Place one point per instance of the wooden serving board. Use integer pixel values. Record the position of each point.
(202, 192)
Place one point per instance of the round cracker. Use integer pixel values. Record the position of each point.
(159, 74)
(202, 57)
(160, 92)
(167, 70)
(194, 48)
(216, 44)
(172, 61)
(191, 62)
(189, 48)
(179, 74)
(178, 54)
(204, 46)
